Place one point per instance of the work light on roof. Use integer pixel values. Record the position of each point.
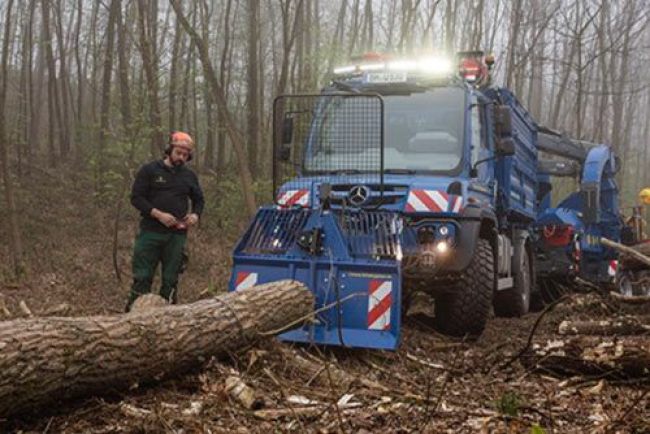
(436, 66)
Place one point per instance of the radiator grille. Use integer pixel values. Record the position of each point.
(373, 234)
(275, 231)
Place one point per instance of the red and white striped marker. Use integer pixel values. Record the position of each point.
(294, 197)
(245, 279)
(611, 270)
(433, 201)
(379, 303)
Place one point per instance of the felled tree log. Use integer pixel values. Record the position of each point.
(626, 250)
(609, 327)
(617, 357)
(630, 299)
(47, 359)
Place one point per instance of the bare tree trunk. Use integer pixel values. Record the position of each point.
(603, 75)
(338, 34)
(64, 132)
(618, 99)
(252, 90)
(515, 24)
(354, 30)
(219, 96)
(106, 88)
(173, 74)
(368, 27)
(54, 112)
(70, 357)
(123, 75)
(15, 239)
(81, 83)
(450, 24)
(288, 39)
(221, 129)
(150, 66)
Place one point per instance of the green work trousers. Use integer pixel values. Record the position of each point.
(150, 249)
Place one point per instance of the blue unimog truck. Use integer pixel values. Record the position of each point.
(400, 176)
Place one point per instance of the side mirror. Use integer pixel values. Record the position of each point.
(503, 121)
(505, 146)
(284, 153)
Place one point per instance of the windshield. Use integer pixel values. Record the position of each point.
(422, 132)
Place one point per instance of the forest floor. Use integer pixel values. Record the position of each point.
(431, 384)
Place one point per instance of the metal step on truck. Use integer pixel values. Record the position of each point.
(400, 175)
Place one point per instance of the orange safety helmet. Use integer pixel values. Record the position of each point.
(182, 140)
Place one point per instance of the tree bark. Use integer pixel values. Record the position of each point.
(609, 327)
(617, 357)
(43, 359)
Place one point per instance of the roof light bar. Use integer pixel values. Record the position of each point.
(428, 65)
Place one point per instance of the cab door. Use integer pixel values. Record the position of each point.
(481, 147)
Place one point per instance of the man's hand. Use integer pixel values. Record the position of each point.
(191, 219)
(164, 217)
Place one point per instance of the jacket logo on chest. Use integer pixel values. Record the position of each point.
(159, 179)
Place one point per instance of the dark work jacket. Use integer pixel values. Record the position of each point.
(168, 189)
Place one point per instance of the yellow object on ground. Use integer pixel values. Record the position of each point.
(644, 196)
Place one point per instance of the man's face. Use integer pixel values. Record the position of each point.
(179, 155)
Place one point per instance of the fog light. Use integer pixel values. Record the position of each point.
(442, 247)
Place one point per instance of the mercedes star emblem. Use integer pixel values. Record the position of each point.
(358, 195)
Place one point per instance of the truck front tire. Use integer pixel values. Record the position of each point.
(464, 310)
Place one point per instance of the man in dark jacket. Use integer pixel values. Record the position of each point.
(161, 192)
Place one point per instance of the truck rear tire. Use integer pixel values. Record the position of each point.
(515, 301)
(465, 310)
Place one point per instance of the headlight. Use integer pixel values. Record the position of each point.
(442, 247)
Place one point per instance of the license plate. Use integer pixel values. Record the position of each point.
(386, 77)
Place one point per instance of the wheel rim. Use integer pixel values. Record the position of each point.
(525, 271)
(625, 286)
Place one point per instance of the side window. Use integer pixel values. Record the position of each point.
(477, 135)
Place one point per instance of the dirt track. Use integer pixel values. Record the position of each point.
(432, 384)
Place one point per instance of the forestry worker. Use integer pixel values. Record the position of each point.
(162, 192)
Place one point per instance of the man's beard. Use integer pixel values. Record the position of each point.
(178, 163)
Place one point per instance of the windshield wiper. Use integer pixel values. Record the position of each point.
(400, 171)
